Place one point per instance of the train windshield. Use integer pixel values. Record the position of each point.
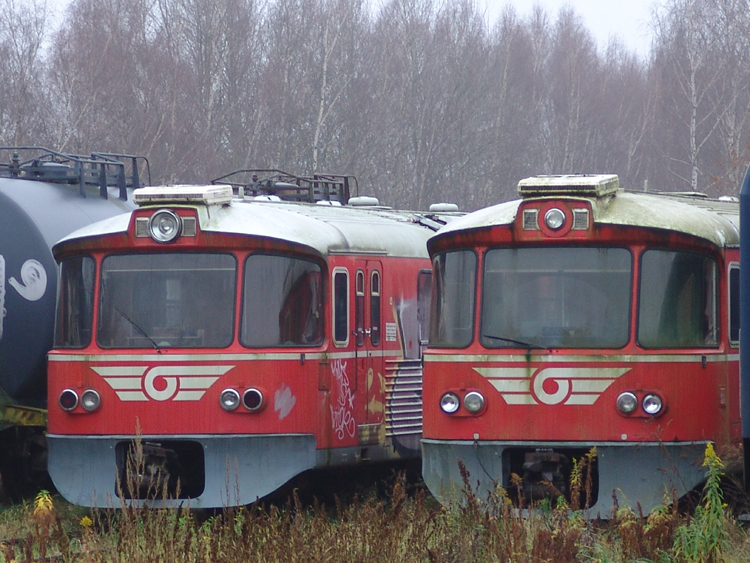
(556, 297)
(157, 301)
(282, 302)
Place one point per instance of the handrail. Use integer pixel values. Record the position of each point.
(100, 169)
(289, 187)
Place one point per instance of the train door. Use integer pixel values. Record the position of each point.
(368, 339)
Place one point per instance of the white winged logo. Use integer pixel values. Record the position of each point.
(551, 386)
(179, 383)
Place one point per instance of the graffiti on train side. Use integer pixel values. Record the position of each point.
(342, 409)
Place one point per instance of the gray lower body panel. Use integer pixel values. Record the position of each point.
(642, 473)
(237, 469)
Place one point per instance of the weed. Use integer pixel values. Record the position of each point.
(704, 538)
(408, 528)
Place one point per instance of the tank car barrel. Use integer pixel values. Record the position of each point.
(40, 202)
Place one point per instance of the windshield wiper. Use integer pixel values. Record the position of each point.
(518, 342)
(139, 329)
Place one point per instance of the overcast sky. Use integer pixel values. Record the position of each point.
(627, 19)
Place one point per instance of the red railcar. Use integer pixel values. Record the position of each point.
(237, 341)
(583, 316)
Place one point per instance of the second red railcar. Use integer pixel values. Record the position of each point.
(583, 319)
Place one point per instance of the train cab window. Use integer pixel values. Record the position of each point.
(452, 311)
(556, 297)
(282, 302)
(167, 300)
(75, 303)
(677, 300)
(375, 307)
(734, 305)
(340, 307)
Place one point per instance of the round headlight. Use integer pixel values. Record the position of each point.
(449, 403)
(554, 218)
(68, 400)
(652, 404)
(164, 226)
(252, 399)
(90, 400)
(473, 402)
(627, 402)
(229, 399)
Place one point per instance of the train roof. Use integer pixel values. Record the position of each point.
(715, 220)
(323, 229)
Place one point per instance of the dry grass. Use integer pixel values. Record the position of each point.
(404, 527)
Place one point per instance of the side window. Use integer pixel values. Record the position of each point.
(678, 301)
(734, 304)
(75, 302)
(340, 307)
(375, 307)
(282, 302)
(424, 287)
(452, 310)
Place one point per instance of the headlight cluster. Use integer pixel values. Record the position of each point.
(473, 402)
(90, 400)
(252, 399)
(651, 403)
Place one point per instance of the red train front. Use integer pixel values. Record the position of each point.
(583, 316)
(234, 343)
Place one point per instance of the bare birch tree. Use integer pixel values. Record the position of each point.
(689, 35)
(421, 99)
(24, 105)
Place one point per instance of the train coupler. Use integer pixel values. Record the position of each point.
(544, 475)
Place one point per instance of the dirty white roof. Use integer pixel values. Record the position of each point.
(714, 220)
(325, 229)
